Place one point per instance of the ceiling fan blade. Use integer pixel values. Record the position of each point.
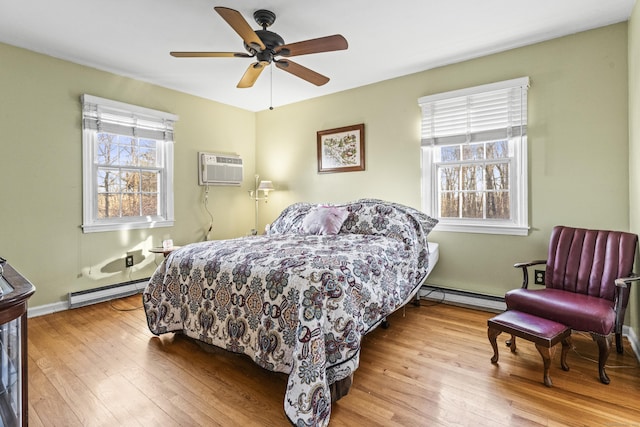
(251, 75)
(240, 25)
(302, 72)
(322, 44)
(210, 55)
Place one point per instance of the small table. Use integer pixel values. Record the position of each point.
(544, 333)
(164, 251)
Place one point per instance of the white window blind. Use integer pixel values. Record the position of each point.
(482, 113)
(105, 115)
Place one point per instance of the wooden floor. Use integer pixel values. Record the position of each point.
(100, 366)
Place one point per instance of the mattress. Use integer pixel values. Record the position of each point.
(434, 255)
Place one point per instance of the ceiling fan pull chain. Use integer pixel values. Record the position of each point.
(271, 94)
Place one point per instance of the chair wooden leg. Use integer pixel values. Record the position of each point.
(619, 348)
(511, 343)
(493, 334)
(604, 347)
(566, 346)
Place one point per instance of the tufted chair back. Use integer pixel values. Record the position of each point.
(589, 261)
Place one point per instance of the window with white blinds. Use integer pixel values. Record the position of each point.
(474, 158)
(127, 166)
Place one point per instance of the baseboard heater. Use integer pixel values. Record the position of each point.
(106, 293)
(462, 298)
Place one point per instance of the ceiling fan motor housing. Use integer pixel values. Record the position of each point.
(271, 41)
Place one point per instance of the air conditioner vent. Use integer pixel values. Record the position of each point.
(219, 169)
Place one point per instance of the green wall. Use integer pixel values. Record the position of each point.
(41, 174)
(578, 148)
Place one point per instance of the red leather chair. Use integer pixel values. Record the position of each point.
(587, 279)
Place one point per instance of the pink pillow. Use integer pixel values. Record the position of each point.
(324, 220)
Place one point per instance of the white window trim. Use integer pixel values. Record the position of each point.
(519, 224)
(91, 223)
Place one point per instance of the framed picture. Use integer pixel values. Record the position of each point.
(341, 149)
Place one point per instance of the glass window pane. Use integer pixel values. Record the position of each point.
(450, 153)
(128, 152)
(497, 176)
(108, 206)
(149, 204)
(149, 182)
(473, 151)
(147, 156)
(130, 181)
(472, 205)
(498, 150)
(498, 205)
(472, 178)
(108, 181)
(106, 149)
(147, 143)
(449, 205)
(449, 178)
(130, 204)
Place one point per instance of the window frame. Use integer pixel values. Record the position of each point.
(98, 112)
(518, 179)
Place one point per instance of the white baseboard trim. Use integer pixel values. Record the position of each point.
(41, 310)
(628, 332)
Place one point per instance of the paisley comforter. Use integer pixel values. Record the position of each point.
(295, 302)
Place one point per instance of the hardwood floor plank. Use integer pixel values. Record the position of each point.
(46, 402)
(100, 365)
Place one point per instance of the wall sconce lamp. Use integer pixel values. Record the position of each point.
(265, 187)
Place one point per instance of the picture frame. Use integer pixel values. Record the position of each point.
(341, 149)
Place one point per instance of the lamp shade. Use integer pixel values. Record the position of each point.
(266, 186)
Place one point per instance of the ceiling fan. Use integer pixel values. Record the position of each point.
(266, 46)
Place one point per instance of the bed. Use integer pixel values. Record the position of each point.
(299, 298)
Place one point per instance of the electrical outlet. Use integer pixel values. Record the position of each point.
(128, 261)
(538, 277)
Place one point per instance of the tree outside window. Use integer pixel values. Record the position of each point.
(127, 176)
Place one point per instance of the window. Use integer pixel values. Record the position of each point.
(127, 166)
(474, 158)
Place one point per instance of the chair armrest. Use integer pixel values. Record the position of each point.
(621, 283)
(530, 263)
(525, 272)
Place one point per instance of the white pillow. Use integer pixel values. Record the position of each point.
(324, 220)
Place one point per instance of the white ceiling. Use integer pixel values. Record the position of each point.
(386, 39)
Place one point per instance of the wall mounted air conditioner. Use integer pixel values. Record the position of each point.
(219, 169)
